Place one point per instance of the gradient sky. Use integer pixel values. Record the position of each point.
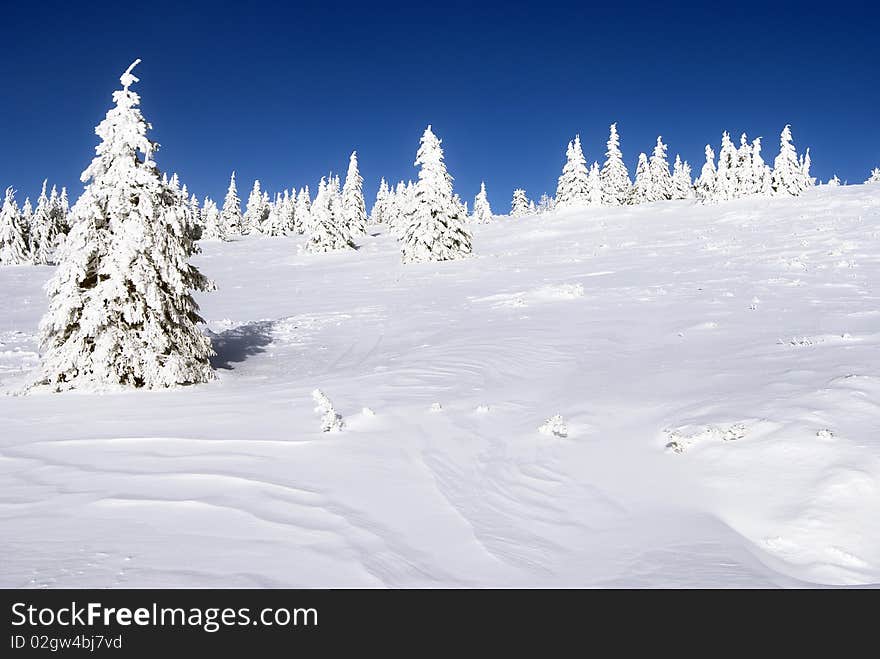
(285, 92)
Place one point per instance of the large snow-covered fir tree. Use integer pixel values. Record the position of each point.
(660, 187)
(788, 173)
(121, 310)
(230, 216)
(354, 210)
(573, 187)
(13, 233)
(519, 205)
(434, 229)
(327, 229)
(705, 184)
(256, 212)
(874, 176)
(482, 212)
(614, 175)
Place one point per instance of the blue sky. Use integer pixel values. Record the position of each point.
(285, 92)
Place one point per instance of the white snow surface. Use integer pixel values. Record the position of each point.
(717, 368)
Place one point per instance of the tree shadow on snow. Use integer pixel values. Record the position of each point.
(237, 344)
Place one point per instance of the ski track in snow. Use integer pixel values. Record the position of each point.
(716, 368)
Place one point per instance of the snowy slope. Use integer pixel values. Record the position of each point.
(745, 335)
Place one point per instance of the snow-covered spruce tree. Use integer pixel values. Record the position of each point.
(519, 205)
(380, 206)
(762, 175)
(809, 181)
(462, 206)
(614, 176)
(256, 212)
(230, 216)
(303, 210)
(327, 230)
(482, 210)
(13, 235)
(288, 210)
(705, 184)
(788, 175)
(661, 180)
(726, 177)
(833, 181)
(746, 183)
(573, 187)
(546, 204)
(58, 211)
(435, 230)
(682, 186)
(274, 223)
(64, 209)
(212, 224)
(27, 225)
(354, 209)
(874, 177)
(642, 184)
(45, 230)
(595, 185)
(121, 311)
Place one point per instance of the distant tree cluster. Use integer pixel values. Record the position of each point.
(31, 235)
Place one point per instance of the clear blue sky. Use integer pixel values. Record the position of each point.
(285, 92)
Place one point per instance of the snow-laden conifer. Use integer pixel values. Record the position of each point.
(519, 205)
(354, 209)
(594, 189)
(27, 225)
(230, 216)
(274, 225)
(762, 175)
(809, 181)
(573, 187)
(726, 183)
(46, 229)
(434, 229)
(288, 211)
(212, 224)
(834, 181)
(641, 189)
(13, 234)
(482, 212)
(121, 310)
(788, 175)
(327, 230)
(614, 175)
(256, 211)
(546, 204)
(303, 210)
(682, 185)
(874, 176)
(705, 184)
(380, 206)
(661, 180)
